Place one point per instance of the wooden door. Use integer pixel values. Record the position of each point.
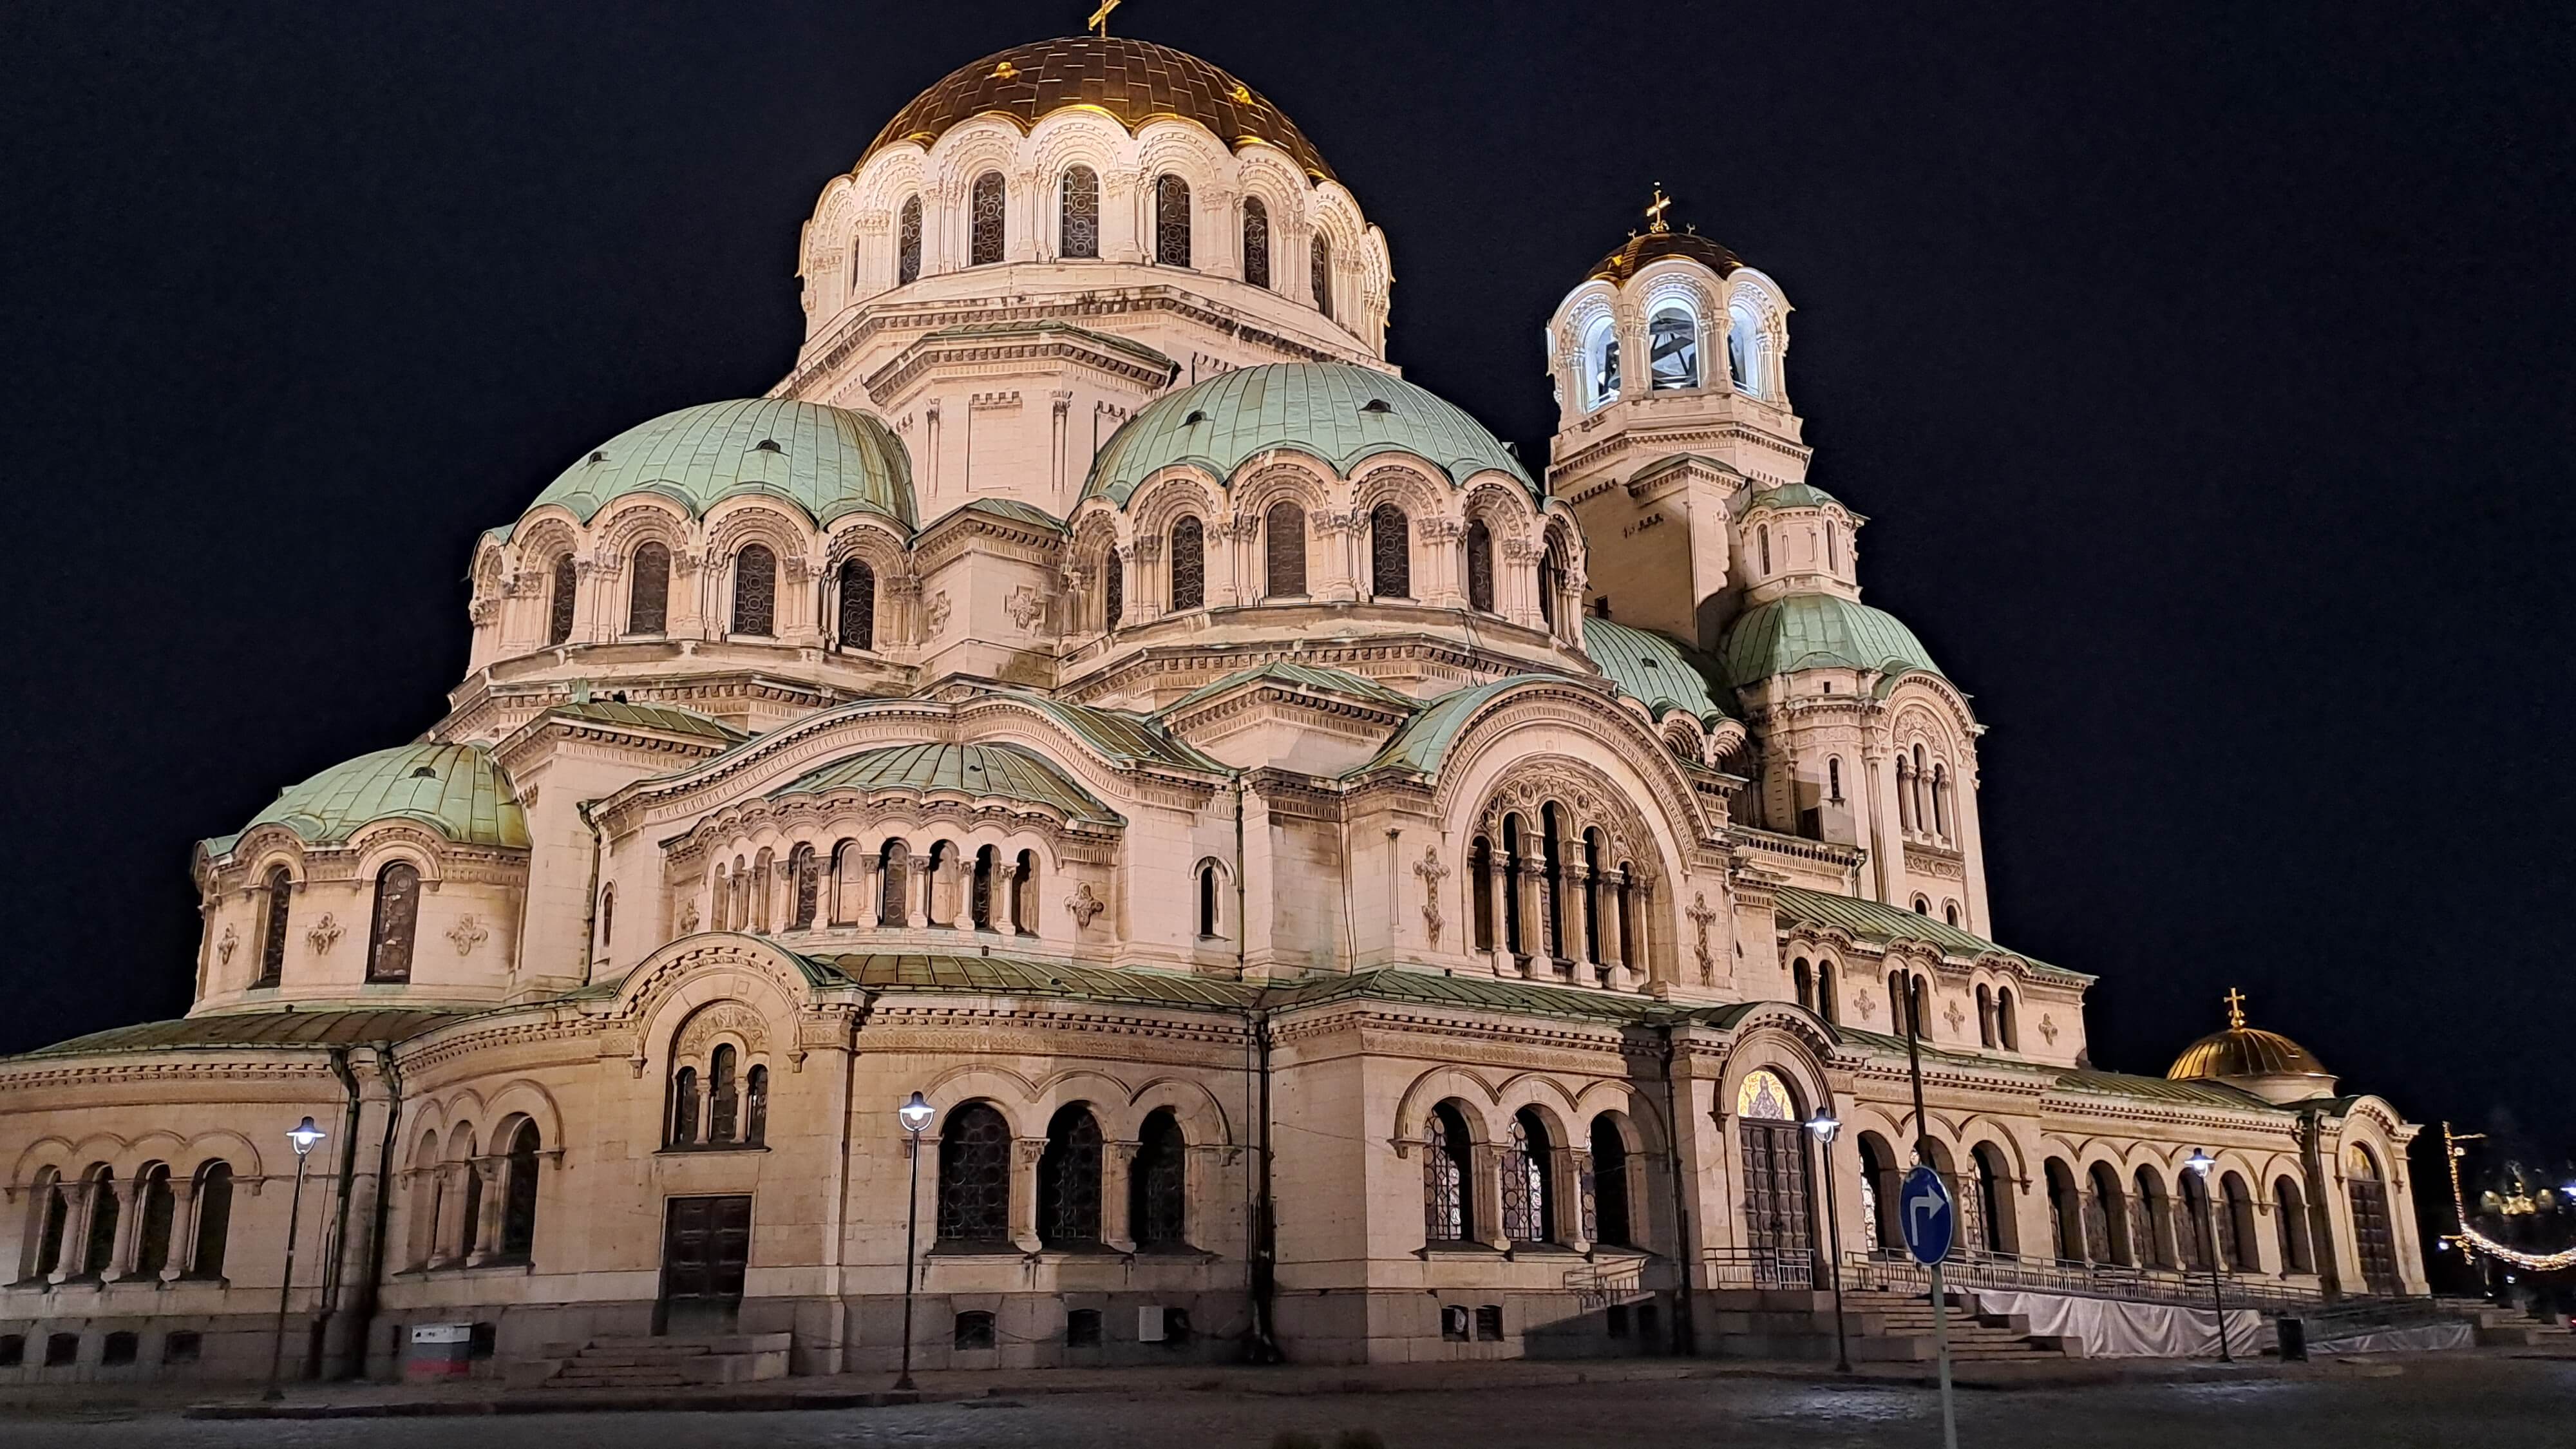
(2372, 1236)
(1778, 1225)
(706, 1246)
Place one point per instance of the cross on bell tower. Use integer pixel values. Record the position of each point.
(2235, 1000)
(1655, 211)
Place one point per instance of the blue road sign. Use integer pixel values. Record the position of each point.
(1927, 1214)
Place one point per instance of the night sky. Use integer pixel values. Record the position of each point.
(2206, 373)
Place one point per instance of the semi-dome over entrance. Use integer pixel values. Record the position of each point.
(1132, 80)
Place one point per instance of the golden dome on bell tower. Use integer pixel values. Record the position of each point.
(2263, 1062)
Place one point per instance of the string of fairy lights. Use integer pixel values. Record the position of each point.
(2470, 1240)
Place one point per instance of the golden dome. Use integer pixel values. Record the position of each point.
(1622, 264)
(1133, 80)
(2244, 1051)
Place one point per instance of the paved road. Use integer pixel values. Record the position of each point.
(2445, 1404)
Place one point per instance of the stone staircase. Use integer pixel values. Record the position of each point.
(2497, 1325)
(652, 1363)
(1880, 1326)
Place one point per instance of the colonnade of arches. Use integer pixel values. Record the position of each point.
(1547, 885)
(980, 887)
(1073, 1189)
(473, 1200)
(157, 1223)
(1539, 1181)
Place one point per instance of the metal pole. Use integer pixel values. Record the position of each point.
(1923, 1155)
(2209, 1243)
(285, 1283)
(911, 1236)
(1834, 1234)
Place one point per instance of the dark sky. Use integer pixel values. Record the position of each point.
(2206, 372)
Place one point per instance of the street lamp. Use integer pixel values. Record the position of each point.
(304, 1136)
(915, 1116)
(2200, 1162)
(1823, 1126)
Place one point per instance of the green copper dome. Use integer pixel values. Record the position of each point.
(1333, 411)
(1818, 631)
(1791, 495)
(827, 461)
(455, 790)
(1654, 670)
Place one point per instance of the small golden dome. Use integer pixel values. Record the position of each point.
(1622, 264)
(1133, 80)
(2244, 1051)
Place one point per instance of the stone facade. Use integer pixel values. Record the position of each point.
(1340, 894)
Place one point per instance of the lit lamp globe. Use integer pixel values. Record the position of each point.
(915, 1115)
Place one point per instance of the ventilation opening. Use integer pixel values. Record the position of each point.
(182, 1346)
(1082, 1328)
(974, 1330)
(1376, 405)
(1194, 419)
(1489, 1323)
(61, 1349)
(424, 773)
(118, 1349)
(767, 445)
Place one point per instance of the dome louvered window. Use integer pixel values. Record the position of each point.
(907, 245)
(1171, 221)
(1283, 531)
(858, 605)
(397, 917)
(1256, 241)
(1319, 265)
(1390, 553)
(559, 603)
(985, 242)
(755, 591)
(648, 599)
(1189, 564)
(1078, 214)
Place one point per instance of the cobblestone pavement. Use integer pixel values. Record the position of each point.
(2489, 1401)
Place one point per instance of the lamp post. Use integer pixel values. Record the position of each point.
(1823, 1126)
(915, 1116)
(2200, 1162)
(304, 1136)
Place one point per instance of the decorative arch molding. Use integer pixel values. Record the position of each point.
(1016, 1097)
(1440, 1084)
(1171, 495)
(1674, 279)
(1983, 1127)
(1547, 702)
(383, 842)
(1778, 1046)
(1403, 480)
(1643, 1116)
(736, 522)
(1805, 1032)
(1545, 1091)
(692, 970)
(1202, 1116)
(1280, 477)
(633, 519)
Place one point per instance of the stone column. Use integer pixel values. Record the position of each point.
(1499, 873)
(1438, 584)
(1578, 905)
(451, 1245)
(1025, 1153)
(1614, 950)
(1487, 1184)
(489, 1212)
(1329, 539)
(183, 1228)
(1533, 889)
(129, 1234)
(1572, 1169)
(1117, 1161)
(923, 885)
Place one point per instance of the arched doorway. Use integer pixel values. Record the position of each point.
(1779, 1229)
(2373, 1238)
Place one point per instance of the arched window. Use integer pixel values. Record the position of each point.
(1922, 790)
(2236, 1230)
(1078, 213)
(519, 1195)
(1189, 565)
(1207, 900)
(755, 590)
(1480, 566)
(1833, 559)
(1448, 1208)
(684, 1107)
(1878, 1181)
(1672, 347)
(1390, 553)
(1896, 1002)
(984, 239)
(1834, 778)
(1171, 221)
(152, 1239)
(892, 860)
(648, 594)
(1256, 241)
(1480, 893)
(907, 242)
(1611, 1223)
(1551, 860)
(2290, 1220)
(724, 1094)
(1922, 905)
(2007, 1020)
(808, 877)
(1918, 1005)
(1547, 587)
(560, 599)
(1513, 940)
(1069, 1180)
(1985, 1015)
(2191, 1222)
(54, 1207)
(1762, 538)
(1803, 979)
(979, 900)
(1993, 1204)
(1528, 1175)
(1600, 364)
(1591, 943)
(1950, 912)
(858, 605)
(1283, 531)
(974, 1176)
(272, 933)
(214, 1219)
(100, 1250)
(397, 917)
(1157, 1184)
(1826, 1006)
(1319, 279)
(2107, 1218)
(1744, 349)
(2155, 1222)
(1941, 801)
(1024, 894)
(2065, 1212)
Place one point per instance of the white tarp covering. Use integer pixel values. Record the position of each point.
(2109, 1328)
(2395, 1340)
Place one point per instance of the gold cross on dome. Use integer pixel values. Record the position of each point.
(1099, 21)
(1655, 213)
(2235, 1000)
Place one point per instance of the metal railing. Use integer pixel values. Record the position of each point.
(1764, 1268)
(1898, 1273)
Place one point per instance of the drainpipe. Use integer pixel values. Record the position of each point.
(332, 1261)
(1685, 1331)
(1265, 1238)
(366, 1309)
(590, 899)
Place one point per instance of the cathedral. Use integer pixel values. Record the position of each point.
(1329, 888)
